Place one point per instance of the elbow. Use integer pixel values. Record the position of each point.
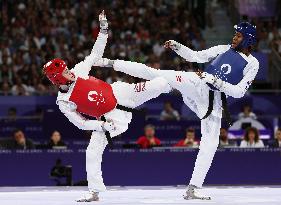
(239, 94)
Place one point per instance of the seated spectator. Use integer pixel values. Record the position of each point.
(247, 113)
(148, 140)
(19, 88)
(6, 89)
(11, 115)
(19, 141)
(189, 140)
(252, 139)
(169, 113)
(277, 140)
(55, 140)
(224, 139)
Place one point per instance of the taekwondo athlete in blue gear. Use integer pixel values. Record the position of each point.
(230, 73)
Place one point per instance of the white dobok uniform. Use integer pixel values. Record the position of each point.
(129, 95)
(195, 94)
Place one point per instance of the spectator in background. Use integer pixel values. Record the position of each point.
(189, 140)
(148, 140)
(224, 139)
(169, 113)
(277, 140)
(6, 73)
(19, 88)
(25, 46)
(11, 115)
(56, 140)
(252, 139)
(247, 113)
(5, 89)
(20, 142)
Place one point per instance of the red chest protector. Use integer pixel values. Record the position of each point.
(93, 97)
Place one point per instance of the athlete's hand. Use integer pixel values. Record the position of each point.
(104, 62)
(109, 125)
(103, 21)
(206, 77)
(172, 45)
(199, 73)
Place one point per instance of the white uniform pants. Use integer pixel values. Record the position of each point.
(130, 95)
(195, 94)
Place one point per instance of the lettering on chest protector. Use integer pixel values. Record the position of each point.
(93, 97)
(228, 66)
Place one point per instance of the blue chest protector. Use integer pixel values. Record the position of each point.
(228, 67)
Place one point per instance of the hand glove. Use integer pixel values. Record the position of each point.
(172, 45)
(103, 21)
(208, 78)
(104, 62)
(108, 126)
(213, 80)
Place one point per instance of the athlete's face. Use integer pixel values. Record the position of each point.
(236, 40)
(68, 75)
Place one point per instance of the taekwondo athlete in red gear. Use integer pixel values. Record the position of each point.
(81, 93)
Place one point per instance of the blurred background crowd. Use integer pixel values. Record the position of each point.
(33, 32)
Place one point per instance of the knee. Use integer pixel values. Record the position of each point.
(163, 84)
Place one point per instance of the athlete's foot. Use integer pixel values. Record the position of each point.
(89, 197)
(191, 194)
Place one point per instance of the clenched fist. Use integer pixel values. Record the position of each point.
(172, 45)
(103, 21)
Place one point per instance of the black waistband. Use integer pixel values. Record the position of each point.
(119, 107)
(224, 106)
(107, 135)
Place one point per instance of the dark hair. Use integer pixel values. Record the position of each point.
(17, 130)
(252, 129)
(149, 126)
(54, 132)
(190, 129)
(168, 102)
(246, 105)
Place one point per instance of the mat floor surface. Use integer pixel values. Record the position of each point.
(269, 195)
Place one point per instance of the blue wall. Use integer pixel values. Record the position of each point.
(144, 167)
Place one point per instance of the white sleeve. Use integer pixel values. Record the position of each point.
(78, 120)
(243, 144)
(239, 90)
(260, 144)
(83, 68)
(201, 56)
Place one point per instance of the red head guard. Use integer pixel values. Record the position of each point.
(53, 70)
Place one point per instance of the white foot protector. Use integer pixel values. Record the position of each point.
(89, 197)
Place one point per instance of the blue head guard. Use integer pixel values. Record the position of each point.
(249, 34)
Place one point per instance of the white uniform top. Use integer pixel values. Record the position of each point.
(120, 118)
(258, 144)
(250, 71)
(237, 91)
